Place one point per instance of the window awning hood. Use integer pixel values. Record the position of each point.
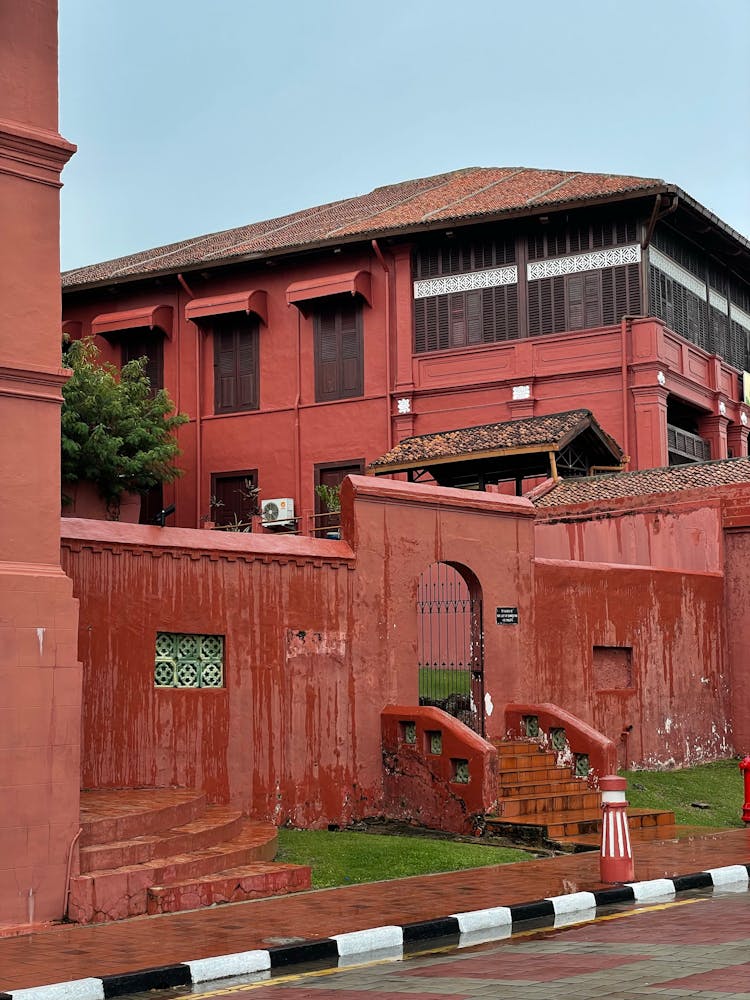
(252, 300)
(145, 317)
(354, 282)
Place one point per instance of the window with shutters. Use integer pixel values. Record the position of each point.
(235, 363)
(151, 347)
(339, 359)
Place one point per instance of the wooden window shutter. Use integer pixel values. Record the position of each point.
(351, 378)
(236, 368)
(339, 361)
(247, 380)
(226, 370)
(151, 347)
(584, 293)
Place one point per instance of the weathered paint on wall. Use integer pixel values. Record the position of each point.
(321, 635)
(677, 698)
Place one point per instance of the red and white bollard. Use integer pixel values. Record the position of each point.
(616, 858)
(745, 768)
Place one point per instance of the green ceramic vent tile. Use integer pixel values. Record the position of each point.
(434, 741)
(189, 661)
(558, 739)
(460, 771)
(531, 725)
(409, 732)
(582, 765)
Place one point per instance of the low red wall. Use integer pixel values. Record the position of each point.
(437, 772)
(321, 635)
(622, 647)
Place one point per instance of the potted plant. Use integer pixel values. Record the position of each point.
(117, 436)
(330, 499)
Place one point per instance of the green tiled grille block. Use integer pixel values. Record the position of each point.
(189, 661)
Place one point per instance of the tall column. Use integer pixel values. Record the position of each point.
(714, 430)
(737, 439)
(650, 411)
(40, 675)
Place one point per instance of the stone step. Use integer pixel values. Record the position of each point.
(523, 776)
(527, 761)
(232, 886)
(661, 833)
(552, 802)
(217, 825)
(541, 828)
(549, 787)
(504, 747)
(111, 894)
(109, 815)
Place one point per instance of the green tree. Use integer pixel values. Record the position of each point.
(116, 432)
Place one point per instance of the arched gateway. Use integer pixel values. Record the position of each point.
(450, 642)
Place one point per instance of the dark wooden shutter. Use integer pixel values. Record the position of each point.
(226, 370)
(236, 369)
(150, 347)
(339, 361)
(352, 369)
(584, 293)
(230, 490)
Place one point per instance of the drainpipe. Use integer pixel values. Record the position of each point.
(297, 436)
(389, 423)
(198, 405)
(626, 328)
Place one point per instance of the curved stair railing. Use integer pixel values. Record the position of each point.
(585, 749)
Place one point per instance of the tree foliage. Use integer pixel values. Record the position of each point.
(116, 432)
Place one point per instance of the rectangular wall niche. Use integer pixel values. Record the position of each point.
(189, 661)
(613, 668)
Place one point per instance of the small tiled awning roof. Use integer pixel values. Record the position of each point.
(511, 437)
(251, 300)
(145, 317)
(354, 282)
(672, 479)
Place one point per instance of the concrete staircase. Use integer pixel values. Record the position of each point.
(163, 850)
(544, 804)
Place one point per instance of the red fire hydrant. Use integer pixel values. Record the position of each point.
(745, 768)
(616, 858)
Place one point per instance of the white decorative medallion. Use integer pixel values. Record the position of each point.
(404, 405)
(661, 378)
(521, 392)
(469, 282)
(722, 408)
(594, 261)
(743, 419)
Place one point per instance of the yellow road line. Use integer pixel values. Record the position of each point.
(319, 973)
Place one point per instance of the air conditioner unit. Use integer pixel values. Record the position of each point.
(277, 513)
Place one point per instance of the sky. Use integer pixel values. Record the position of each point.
(193, 116)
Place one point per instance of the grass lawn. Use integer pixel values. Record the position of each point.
(718, 785)
(343, 857)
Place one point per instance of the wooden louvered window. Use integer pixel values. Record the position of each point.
(585, 300)
(150, 346)
(235, 363)
(339, 358)
(233, 496)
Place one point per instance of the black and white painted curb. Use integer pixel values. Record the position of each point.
(392, 942)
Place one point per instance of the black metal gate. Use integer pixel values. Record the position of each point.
(450, 645)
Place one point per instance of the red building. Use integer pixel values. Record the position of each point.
(304, 348)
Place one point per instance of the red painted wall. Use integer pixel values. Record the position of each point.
(322, 635)
(40, 675)
(678, 697)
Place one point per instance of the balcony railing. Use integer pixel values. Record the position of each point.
(687, 446)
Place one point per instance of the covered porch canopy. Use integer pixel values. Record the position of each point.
(559, 444)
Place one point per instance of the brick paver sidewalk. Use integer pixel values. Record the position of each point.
(72, 952)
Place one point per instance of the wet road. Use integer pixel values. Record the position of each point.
(697, 948)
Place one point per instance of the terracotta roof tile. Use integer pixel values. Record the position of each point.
(414, 204)
(621, 485)
(547, 432)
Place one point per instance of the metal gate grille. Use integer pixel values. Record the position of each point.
(449, 645)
